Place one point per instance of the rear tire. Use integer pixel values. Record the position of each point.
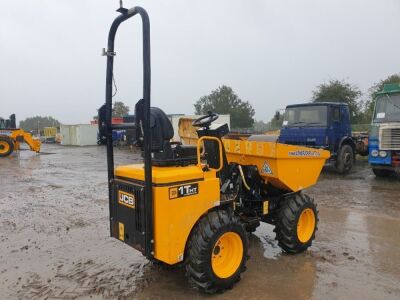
(217, 252)
(297, 222)
(383, 172)
(6, 146)
(345, 159)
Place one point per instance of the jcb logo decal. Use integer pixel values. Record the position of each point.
(126, 199)
(173, 193)
(183, 191)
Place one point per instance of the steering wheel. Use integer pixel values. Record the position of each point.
(205, 121)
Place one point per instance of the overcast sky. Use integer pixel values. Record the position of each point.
(272, 53)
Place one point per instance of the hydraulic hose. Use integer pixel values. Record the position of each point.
(252, 191)
(244, 180)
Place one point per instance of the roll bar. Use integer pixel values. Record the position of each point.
(148, 205)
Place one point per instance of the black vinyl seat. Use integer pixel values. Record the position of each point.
(186, 150)
(164, 152)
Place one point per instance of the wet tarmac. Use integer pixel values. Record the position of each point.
(54, 238)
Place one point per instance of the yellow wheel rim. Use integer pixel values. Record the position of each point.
(306, 225)
(4, 147)
(227, 255)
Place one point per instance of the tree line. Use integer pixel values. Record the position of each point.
(224, 100)
(361, 107)
(37, 124)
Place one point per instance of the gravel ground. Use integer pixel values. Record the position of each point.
(54, 238)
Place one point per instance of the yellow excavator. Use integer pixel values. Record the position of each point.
(196, 204)
(11, 138)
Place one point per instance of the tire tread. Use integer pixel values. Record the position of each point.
(286, 227)
(198, 265)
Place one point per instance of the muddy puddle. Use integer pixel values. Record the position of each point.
(55, 244)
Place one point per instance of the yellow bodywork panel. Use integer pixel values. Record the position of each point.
(181, 195)
(285, 166)
(161, 175)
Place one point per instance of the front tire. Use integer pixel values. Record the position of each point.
(217, 252)
(6, 147)
(345, 159)
(296, 223)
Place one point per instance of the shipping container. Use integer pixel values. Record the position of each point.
(79, 135)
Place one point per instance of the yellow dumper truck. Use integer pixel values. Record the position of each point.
(195, 204)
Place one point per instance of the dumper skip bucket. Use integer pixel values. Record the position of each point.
(287, 167)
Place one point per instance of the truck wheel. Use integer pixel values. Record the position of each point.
(217, 252)
(382, 172)
(6, 147)
(296, 223)
(345, 159)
